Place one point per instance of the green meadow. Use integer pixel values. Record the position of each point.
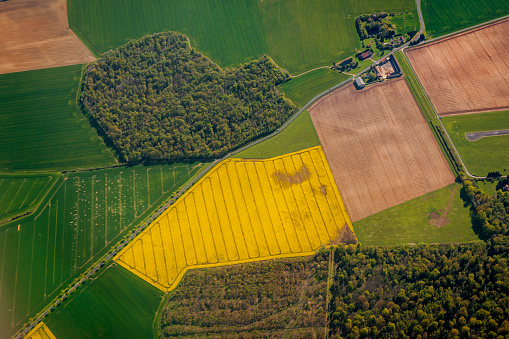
(305, 87)
(41, 128)
(442, 17)
(116, 304)
(487, 154)
(298, 35)
(412, 221)
(298, 135)
(22, 193)
(81, 218)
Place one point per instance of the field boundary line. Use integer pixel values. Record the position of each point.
(47, 249)
(440, 120)
(182, 273)
(30, 210)
(83, 113)
(55, 250)
(30, 191)
(19, 189)
(16, 281)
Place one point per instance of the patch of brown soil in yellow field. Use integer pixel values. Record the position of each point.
(287, 179)
(345, 236)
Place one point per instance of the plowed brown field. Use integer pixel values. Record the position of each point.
(468, 72)
(35, 34)
(380, 148)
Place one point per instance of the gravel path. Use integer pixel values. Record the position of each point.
(478, 135)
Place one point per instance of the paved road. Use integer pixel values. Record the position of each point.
(473, 136)
(200, 175)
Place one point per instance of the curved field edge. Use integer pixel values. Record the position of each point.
(249, 246)
(23, 198)
(44, 128)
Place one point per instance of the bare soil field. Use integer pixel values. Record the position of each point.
(468, 72)
(35, 34)
(380, 148)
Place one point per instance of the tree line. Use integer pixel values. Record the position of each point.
(157, 98)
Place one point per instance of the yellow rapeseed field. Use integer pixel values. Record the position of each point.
(241, 211)
(41, 331)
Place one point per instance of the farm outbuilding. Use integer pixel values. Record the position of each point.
(359, 83)
(365, 55)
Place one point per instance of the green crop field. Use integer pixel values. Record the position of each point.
(41, 128)
(298, 135)
(305, 87)
(21, 193)
(411, 222)
(442, 17)
(298, 35)
(80, 219)
(116, 304)
(487, 154)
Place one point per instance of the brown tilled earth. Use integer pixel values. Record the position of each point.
(380, 148)
(35, 34)
(466, 73)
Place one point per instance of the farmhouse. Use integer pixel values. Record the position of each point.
(388, 68)
(365, 55)
(359, 83)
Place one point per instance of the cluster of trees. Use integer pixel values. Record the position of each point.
(490, 214)
(345, 65)
(157, 98)
(432, 291)
(260, 300)
(374, 26)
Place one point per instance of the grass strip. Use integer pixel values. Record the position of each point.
(428, 113)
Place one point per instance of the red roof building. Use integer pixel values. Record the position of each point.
(365, 55)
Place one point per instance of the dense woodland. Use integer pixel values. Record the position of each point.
(259, 300)
(157, 98)
(491, 214)
(411, 291)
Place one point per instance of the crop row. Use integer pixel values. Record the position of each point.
(243, 210)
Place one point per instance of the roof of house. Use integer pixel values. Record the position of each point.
(366, 55)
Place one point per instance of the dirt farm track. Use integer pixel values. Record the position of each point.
(35, 34)
(380, 148)
(468, 72)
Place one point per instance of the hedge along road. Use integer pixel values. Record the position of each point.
(123, 243)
